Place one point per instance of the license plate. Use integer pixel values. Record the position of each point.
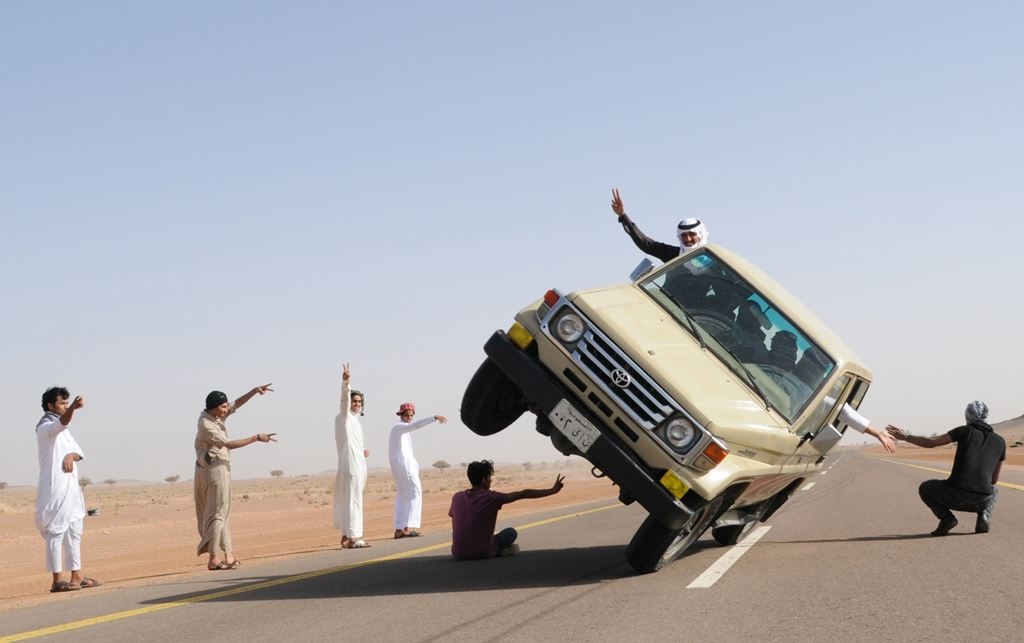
(574, 426)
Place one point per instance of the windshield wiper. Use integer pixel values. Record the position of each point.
(695, 328)
(698, 332)
(754, 385)
(744, 371)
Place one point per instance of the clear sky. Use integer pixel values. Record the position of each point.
(201, 196)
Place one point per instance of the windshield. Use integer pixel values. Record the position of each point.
(746, 331)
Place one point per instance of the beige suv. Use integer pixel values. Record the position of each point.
(702, 389)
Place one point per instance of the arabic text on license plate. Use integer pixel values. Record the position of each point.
(574, 426)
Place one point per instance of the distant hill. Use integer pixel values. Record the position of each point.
(1011, 430)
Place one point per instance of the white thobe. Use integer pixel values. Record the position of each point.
(351, 478)
(59, 498)
(406, 471)
(849, 416)
(853, 419)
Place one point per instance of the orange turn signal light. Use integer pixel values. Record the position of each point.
(715, 452)
(551, 298)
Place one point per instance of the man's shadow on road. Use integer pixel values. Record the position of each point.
(435, 573)
(863, 539)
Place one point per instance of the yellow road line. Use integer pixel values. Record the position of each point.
(572, 515)
(117, 616)
(1008, 485)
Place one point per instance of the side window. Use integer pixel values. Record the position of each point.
(856, 396)
(827, 408)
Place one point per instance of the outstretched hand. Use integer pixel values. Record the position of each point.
(442, 419)
(887, 441)
(266, 437)
(345, 372)
(896, 432)
(559, 483)
(77, 403)
(263, 389)
(617, 206)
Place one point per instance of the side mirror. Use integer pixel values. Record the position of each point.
(642, 269)
(826, 438)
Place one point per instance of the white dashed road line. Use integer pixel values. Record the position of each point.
(722, 565)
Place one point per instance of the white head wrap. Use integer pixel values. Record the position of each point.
(692, 225)
(976, 412)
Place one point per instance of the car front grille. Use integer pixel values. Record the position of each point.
(641, 398)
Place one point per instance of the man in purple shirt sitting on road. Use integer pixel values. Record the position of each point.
(474, 513)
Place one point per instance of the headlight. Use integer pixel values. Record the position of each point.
(569, 328)
(680, 434)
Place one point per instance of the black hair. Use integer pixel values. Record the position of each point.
(477, 471)
(215, 399)
(362, 397)
(53, 394)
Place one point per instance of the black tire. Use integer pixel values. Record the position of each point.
(655, 545)
(491, 401)
(732, 534)
(719, 325)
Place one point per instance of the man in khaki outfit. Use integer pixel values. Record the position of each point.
(212, 487)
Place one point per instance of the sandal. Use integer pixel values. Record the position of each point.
(412, 533)
(235, 564)
(89, 582)
(358, 544)
(62, 586)
(218, 566)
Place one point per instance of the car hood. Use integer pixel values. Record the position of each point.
(694, 377)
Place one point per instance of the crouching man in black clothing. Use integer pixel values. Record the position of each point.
(971, 485)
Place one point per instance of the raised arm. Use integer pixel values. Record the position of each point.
(345, 391)
(76, 404)
(657, 249)
(536, 493)
(52, 427)
(919, 440)
(261, 390)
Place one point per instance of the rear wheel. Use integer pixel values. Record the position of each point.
(654, 545)
(492, 401)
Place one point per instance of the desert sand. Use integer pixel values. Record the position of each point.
(147, 532)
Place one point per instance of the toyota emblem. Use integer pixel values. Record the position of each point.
(621, 378)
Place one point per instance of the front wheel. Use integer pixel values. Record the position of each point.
(492, 401)
(654, 545)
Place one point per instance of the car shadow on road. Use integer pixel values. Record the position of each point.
(431, 574)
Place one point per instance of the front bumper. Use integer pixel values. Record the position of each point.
(608, 453)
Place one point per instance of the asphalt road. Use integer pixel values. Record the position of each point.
(847, 559)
